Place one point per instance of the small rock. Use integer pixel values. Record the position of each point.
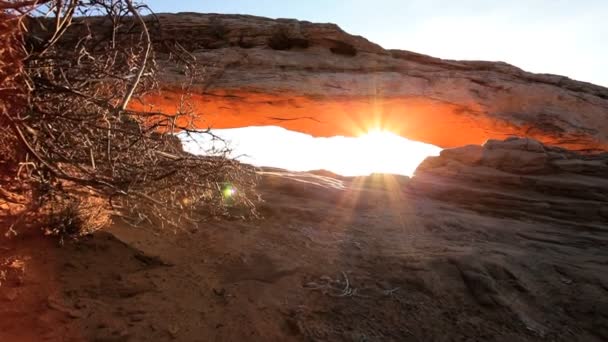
(56, 304)
(515, 143)
(311, 284)
(566, 280)
(469, 154)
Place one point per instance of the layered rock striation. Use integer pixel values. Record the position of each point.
(318, 79)
(519, 177)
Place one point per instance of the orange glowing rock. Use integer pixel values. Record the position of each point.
(327, 82)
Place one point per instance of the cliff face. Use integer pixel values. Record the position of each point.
(519, 178)
(317, 79)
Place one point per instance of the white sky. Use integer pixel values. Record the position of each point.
(348, 156)
(565, 37)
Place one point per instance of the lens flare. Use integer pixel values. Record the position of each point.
(228, 191)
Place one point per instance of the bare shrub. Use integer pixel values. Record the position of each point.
(86, 61)
(75, 215)
(12, 88)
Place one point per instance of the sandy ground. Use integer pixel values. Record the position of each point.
(330, 261)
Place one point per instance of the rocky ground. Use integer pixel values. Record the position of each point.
(505, 242)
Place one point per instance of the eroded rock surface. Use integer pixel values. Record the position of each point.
(477, 254)
(318, 79)
(519, 176)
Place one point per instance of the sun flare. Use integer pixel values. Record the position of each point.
(375, 151)
(378, 138)
(387, 152)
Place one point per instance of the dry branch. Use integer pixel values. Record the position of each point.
(76, 136)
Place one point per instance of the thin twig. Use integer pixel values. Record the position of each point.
(144, 57)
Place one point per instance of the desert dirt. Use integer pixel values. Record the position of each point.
(332, 260)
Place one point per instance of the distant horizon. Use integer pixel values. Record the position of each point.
(545, 37)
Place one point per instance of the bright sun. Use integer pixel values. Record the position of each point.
(378, 137)
(382, 151)
(377, 151)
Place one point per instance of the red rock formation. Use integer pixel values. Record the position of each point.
(519, 176)
(317, 79)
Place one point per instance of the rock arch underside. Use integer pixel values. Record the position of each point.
(320, 80)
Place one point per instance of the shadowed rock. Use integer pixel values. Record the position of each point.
(519, 175)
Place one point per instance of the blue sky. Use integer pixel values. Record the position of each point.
(550, 36)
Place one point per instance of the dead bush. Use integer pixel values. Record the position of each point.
(75, 138)
(74, 216)
(12, 87)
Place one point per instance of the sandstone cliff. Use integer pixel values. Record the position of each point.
(519, 178)
(318, 79)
